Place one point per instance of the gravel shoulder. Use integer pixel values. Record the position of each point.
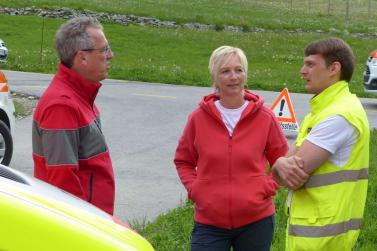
(24, 104)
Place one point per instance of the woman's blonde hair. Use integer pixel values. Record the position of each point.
(221, 54)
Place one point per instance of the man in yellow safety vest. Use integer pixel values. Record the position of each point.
(327, 169)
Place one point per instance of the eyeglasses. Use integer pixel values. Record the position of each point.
(105, 49)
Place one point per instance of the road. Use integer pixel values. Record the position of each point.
(142, 123)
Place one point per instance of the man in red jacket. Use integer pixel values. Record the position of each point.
(69, 149)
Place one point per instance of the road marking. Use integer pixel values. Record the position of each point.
(29, 86)
(368, 110)
(153, 95)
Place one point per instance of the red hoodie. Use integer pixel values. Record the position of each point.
(226, 176)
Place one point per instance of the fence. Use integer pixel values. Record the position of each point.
(350, 9)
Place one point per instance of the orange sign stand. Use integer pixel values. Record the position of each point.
(284, 112)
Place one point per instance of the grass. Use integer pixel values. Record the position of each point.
(177, 56)
(276, 14)
(368, 239)
(172, 231)
(19, 108)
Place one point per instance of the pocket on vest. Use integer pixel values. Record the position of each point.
(313, 214)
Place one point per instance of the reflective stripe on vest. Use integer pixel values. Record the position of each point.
(337, 177)
(324, 231)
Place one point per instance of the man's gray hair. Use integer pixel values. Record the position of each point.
(73, 37)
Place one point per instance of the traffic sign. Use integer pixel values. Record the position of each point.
(284, 112)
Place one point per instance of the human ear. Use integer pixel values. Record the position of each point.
(81, 58)
(335, 67)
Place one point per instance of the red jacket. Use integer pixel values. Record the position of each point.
(69, 149)
(226, 176)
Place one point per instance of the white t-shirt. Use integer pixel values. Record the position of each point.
(336, 135)
(230, 116)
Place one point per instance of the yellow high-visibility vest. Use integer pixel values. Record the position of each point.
(326, 213)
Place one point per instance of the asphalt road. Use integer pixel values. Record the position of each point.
(142, 123)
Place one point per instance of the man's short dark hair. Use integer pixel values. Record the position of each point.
(334, 50)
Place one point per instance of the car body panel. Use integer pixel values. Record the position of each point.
(6, 101)
(37, 216)
(370, 74)
(3, 51)
(7, 121)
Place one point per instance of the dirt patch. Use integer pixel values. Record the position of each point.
(24, 104)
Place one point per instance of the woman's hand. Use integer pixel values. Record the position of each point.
(288, 172)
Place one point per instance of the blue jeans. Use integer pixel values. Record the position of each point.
(256, 236)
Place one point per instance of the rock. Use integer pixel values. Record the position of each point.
(233, 28)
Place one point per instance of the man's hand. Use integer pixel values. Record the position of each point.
(288, 172)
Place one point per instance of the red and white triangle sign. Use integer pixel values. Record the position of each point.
(284, 112)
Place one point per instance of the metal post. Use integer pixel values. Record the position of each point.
(310, 6)
(348, 10)
(42, 35)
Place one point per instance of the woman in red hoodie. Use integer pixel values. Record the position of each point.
(222, 160)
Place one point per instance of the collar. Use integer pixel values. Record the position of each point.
(86, 89)
(329, 95)
(255, 103)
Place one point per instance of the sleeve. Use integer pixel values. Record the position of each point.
(277, 145)
(59, 132)
(186, 156)
(332, 133)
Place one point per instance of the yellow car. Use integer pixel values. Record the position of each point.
(35, 216)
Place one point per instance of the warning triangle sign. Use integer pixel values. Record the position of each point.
(284, 112)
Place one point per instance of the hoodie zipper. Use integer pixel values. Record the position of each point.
(230, 146)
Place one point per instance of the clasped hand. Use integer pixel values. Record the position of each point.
(289, 172)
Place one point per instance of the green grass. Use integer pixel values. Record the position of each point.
(172, 231)
(277, 14)
(177, 56)
(368, 238)
(19, 108)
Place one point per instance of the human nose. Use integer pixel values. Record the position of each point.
(233, 74)
(109, 54)
(303, 70)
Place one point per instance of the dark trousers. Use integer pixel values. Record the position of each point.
(256, 236)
